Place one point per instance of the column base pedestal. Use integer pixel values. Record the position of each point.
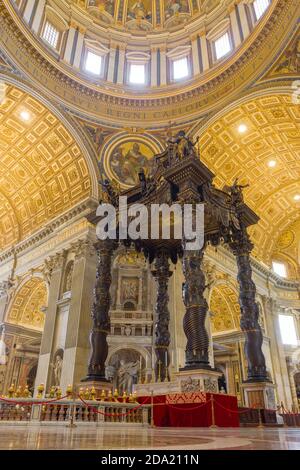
(191, 380)
(98, 385)
(259, 395)
(198, 380)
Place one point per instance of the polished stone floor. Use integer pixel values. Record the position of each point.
(29, 436)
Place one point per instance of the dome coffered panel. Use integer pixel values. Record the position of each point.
(28, 304)
(224, 308)
(266, 156)
(286, 247)
(42, 169)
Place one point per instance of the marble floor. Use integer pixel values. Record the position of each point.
(29, 436)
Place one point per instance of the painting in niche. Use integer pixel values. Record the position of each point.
(103, 5)
(126, 160)
(139, 10)
(174, 7)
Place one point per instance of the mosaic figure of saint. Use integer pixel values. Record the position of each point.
(107, 5)
(174, 7)
(126, 162)
(138, 11)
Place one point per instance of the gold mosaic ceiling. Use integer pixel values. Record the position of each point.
(42, 170)
(273, 134)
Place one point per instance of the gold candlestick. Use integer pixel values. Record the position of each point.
(159, 371)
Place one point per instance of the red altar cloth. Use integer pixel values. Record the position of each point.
(193, 410)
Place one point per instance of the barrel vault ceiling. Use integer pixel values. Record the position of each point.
(272, 135)
(42, 169)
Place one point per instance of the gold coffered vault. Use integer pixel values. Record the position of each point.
(92, 94)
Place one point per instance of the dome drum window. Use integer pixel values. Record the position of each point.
(137, 69)
(94, 58)
(220, 39)
(222, 46)
(138, 56)
(53, 29)
(179, 60)
(260, 7)
(279, 268)
(51, 34)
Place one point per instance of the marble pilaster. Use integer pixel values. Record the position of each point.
(36, 23)
(77, 346)
(195, 55)
(204, 51)
(111, 62)
(44, 364)
(277, 352)
(235, 27)
(121, 65)
(70, 43)
(28, 10)
(154, 67)
(79, 47)
(244, 21)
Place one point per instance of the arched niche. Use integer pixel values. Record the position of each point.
(124, 367)
(67, 284)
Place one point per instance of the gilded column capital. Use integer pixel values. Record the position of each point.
(82, 29)
(194, 37)
(83, 249)
(268, 302)
(163, 48)
(47, 269)
(73, 24)
(113, 45)
(55, 262)
(231, 7)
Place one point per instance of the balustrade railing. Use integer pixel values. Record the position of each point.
(75, 411)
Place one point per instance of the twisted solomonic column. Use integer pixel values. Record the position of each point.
(100, 312)
(241, 247)
(161, 274)
(196, 309)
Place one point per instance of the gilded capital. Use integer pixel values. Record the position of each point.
(83, 249)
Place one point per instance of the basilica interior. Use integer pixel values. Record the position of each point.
(93, 91)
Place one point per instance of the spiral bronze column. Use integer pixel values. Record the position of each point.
(161, 274)
(100, 312)
(196, 353)
(241, 247)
